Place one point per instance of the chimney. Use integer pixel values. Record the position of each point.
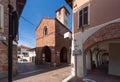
(62, 15)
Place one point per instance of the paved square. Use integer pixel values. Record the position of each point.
(41, 73)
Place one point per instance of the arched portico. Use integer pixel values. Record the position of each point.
(46, 54)
(102, 49)
(111, 31)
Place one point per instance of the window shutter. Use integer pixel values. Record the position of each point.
(1, 18)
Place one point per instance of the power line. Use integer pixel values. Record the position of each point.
(25, 41)
(28, 21)
(22, 16)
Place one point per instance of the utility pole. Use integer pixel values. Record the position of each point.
(10, 42)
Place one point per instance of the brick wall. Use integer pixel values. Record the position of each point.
(4, 44)
(61, 41)
(45, 40)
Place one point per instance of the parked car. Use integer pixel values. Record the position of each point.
(22, 60)
(25, 60)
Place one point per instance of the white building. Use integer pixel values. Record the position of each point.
(32, 54)
(26, 54)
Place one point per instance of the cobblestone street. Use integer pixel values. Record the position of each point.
(41, 73)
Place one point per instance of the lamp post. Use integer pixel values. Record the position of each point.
(10, 44)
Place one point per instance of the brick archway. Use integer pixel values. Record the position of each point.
(46, 54)
(63, 55)
(111, 31)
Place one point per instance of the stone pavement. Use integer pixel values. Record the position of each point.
(101, 75)
(97, 75)
(41, 73)
(47, 73)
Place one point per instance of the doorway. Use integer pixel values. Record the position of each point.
(46, 55)
(63, 55)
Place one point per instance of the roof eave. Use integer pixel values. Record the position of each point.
(20, 6)
(69, 2)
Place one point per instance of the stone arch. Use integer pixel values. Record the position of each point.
(109, 32)
(46, 54)
(63, 55)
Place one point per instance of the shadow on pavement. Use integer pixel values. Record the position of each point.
(30, 69)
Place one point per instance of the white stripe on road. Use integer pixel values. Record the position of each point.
(30, 72)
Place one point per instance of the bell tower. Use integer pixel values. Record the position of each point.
(62, 15)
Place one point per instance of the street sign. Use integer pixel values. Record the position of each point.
(67, 35)
(77, 52)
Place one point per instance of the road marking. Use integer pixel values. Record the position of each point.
(30, 72)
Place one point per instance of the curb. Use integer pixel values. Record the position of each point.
(68, 78)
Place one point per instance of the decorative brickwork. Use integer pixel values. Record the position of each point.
(111, 31)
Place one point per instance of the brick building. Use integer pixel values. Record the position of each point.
(51, 46)
(96, 35)
(4, 20)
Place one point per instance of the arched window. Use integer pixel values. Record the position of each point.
(45, 31)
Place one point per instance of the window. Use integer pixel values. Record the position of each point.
(45, 31)
(65, 20)
(83, 17)
(19, 52)
(25, 54)
(1, 18)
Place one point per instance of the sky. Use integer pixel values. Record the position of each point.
(32, 14)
